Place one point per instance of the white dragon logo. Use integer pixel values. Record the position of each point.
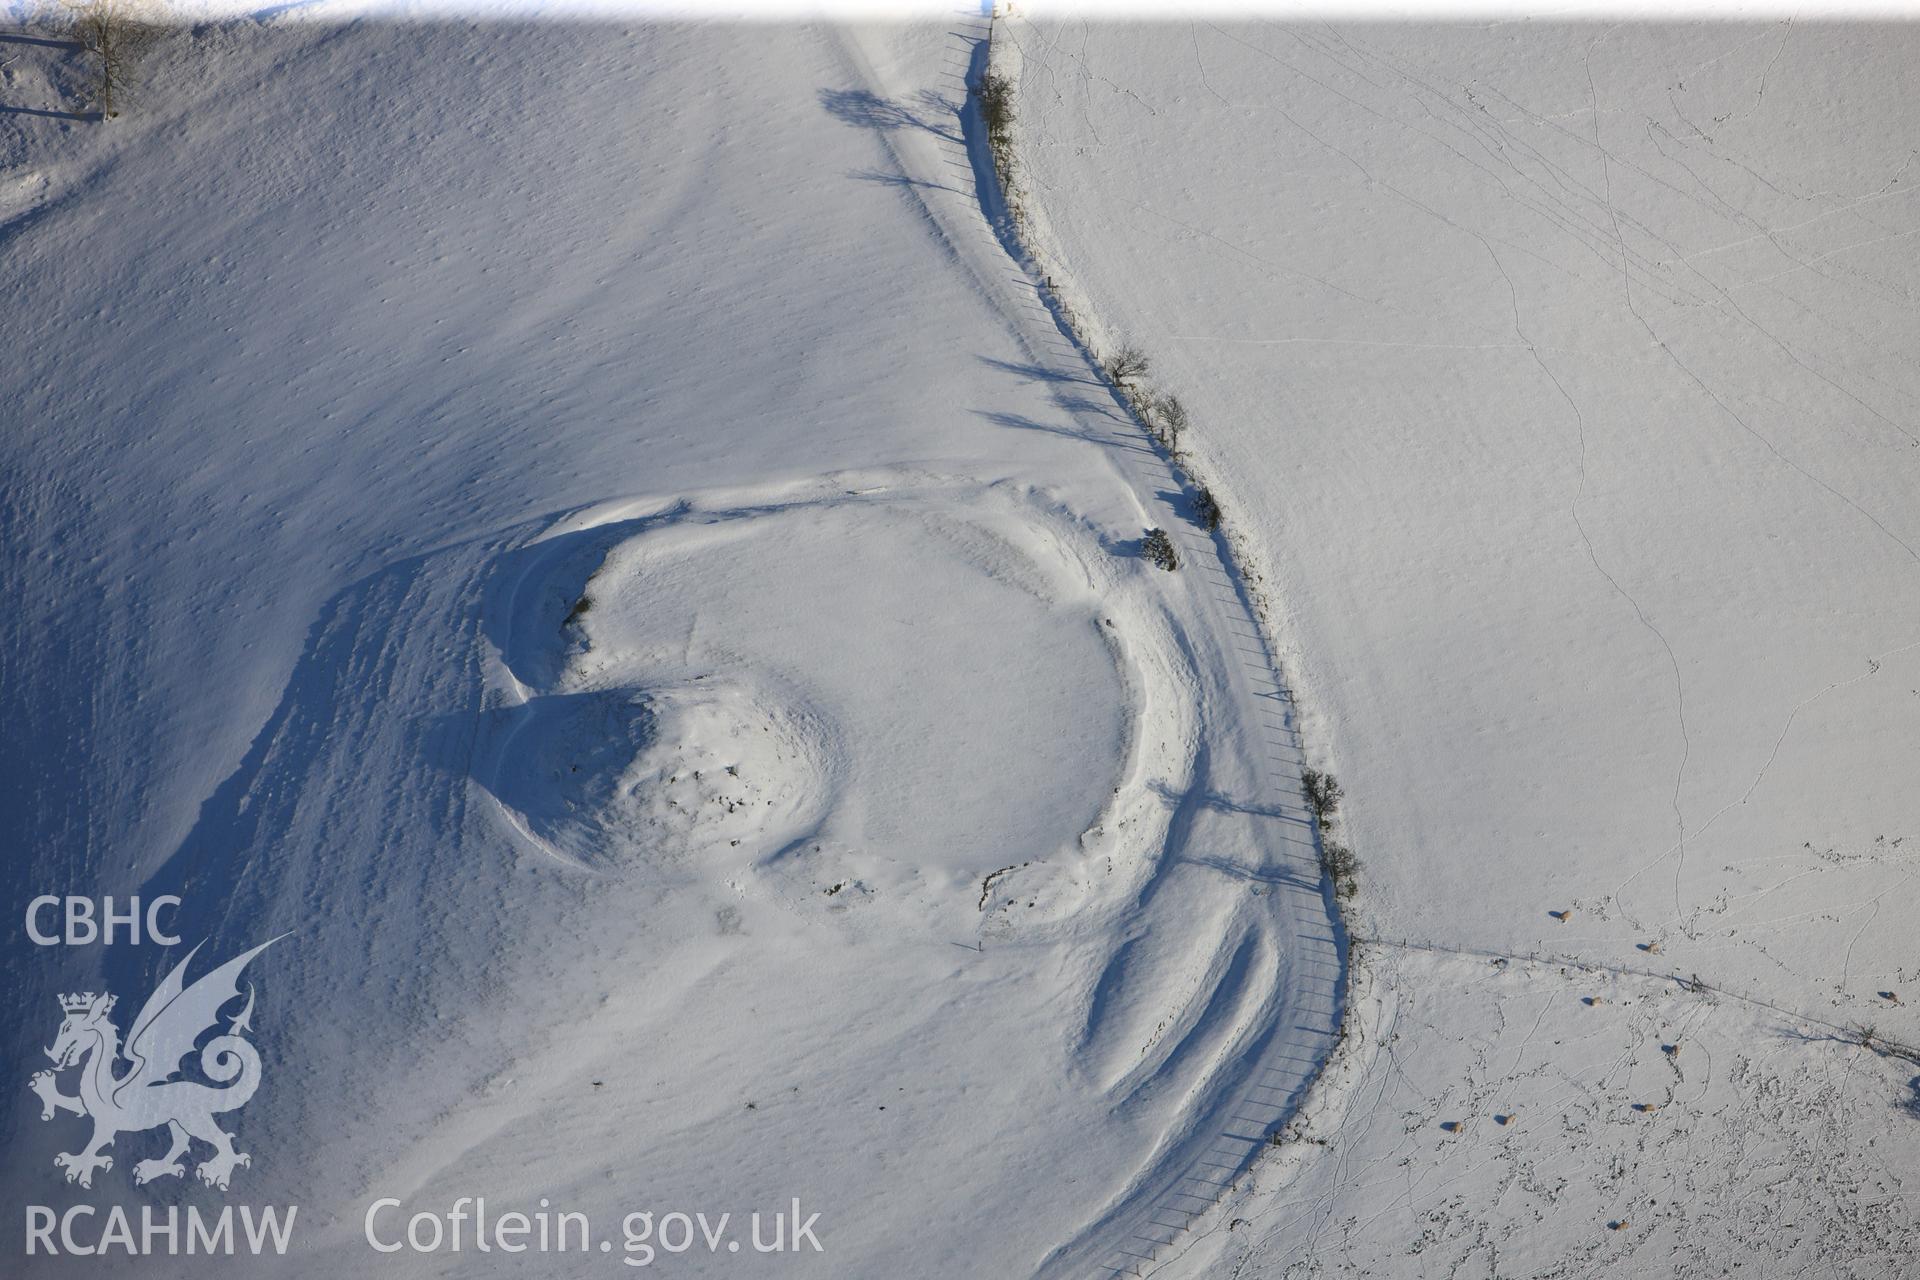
(146, 1097)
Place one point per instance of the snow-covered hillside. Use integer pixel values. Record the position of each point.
(1560, 381)
(588, 529)
(600, 533)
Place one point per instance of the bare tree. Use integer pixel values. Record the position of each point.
(116, 33)
(1323, 795)
(1126, 366)
(1173, 420)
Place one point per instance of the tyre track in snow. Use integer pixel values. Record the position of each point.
(1256, 1083)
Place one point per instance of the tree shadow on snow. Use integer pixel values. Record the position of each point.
(899, 180)
(49, 115)
(44, 42)
(1021, 422)
(8, 37)
(1038, 372)
(1185, 503)
(865, 109)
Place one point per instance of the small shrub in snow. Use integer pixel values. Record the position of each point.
(1158, 547)
(1206, 510)
(1323, 795)
(995, 93)
(1868, 1036)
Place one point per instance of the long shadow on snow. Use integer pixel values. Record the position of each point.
(298, 840)
(49, 115)
(271, 854)
(8, 37)
(900, 180)
(1040, 372)
(224, 908)
(865, 109)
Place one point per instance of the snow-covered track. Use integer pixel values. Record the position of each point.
(1254, 1079)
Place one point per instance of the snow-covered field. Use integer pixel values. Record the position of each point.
(1559, 380)
(602, 534)
(590, 530)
